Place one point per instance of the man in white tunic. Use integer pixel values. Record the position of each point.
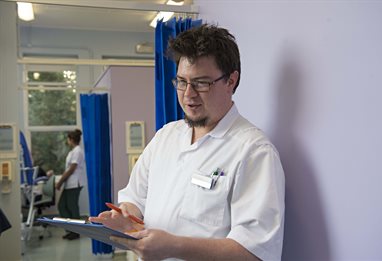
(211, 186)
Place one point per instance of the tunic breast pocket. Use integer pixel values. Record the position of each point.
(206, 206)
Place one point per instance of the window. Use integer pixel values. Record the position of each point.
(49, 150)
(51, 111)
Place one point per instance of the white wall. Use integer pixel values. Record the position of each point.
(85, 44)
(311, 78)
(132, 98)
(10, 244)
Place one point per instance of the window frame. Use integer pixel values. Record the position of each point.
(27, 86)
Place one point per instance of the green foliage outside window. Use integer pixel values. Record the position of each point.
(50, 107)
(46, 77)
(49, 150)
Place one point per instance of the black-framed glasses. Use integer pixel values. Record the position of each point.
(199, 86)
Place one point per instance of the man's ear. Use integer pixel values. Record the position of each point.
(232, 80)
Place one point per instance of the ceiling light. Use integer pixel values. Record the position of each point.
(165, 15)
(25, 11)
(176, 2)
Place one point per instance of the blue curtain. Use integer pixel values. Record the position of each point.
(167, 108)
(96, 137)
(27, 160)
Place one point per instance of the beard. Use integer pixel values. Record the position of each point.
(195, 123)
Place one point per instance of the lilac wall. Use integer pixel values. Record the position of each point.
(132, 99)
(311, 78)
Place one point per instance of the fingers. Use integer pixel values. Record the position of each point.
(136, 219)
(101, 217)
(139, 234)
(96, 219)
(137, 226)
(129, 243)
(116, 221)
(124, 208)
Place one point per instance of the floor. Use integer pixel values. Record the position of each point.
(53, 247)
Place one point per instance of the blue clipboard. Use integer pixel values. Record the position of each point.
(93, 230)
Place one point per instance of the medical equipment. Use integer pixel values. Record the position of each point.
(8, 155)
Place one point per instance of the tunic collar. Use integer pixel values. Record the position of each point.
(218, 132)
(225, 123)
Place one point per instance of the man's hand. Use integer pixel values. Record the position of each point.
(152, 244)
(117, 221)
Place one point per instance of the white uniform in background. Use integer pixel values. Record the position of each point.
(77, 179)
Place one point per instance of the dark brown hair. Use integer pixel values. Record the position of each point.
(207, 40)
(75, 136)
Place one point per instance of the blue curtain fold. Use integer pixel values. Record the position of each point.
(167, 108)
(96, 138)
(27, 161)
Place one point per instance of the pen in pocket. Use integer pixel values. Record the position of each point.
(215, 176)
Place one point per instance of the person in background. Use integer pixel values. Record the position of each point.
(72, 181)
(211, 186)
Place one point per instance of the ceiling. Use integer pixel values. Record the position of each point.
(108, 16)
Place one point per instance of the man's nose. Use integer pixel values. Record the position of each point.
(190, 90)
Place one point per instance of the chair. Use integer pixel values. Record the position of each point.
(47, 200)
(39, 195)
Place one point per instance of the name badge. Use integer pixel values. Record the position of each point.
(207, 182)
(202, 181)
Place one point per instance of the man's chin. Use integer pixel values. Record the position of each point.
(198, 122)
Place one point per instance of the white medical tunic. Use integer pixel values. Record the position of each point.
(77, 179)
(247, 202)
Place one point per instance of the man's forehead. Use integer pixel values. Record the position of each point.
(197, 60)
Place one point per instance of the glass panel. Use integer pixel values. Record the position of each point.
(67, 76)
(49, 150)
(50, 107)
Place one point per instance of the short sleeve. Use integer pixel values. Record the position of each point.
(77, 156)
(257, 204)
